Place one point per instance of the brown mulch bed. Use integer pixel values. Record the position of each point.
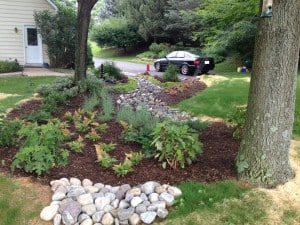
(214, 164)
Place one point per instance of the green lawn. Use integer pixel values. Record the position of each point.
(117, 54)
(20, 87)
(225, 93)
(16, 203)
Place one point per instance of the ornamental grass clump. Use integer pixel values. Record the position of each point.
(176, 145)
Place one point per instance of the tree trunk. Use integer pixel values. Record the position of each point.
(263, 158)
(83, 21)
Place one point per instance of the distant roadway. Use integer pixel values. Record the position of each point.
(132, 69)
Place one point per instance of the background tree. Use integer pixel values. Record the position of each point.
(228, 27)
(263, 158)
(180, 19)
(116, 31)
(83, 21)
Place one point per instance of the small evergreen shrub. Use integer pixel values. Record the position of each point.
(10, 66)
(170, 75)
(112, 70)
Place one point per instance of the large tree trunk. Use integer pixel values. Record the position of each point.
(263, 158)
(83, 21)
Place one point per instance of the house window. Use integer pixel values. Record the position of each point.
(32, 37)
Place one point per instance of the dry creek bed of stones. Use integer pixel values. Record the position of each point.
(76, 202)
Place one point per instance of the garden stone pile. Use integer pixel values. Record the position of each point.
(146, 96)
(76, 202)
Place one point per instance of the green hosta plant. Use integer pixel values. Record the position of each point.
(176, 145)
(123, 168)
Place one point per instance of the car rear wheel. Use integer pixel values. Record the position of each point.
(157, 67)
(184, 70)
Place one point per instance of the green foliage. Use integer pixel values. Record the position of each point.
(135, 157)
(93, 135)
(138, 126)
(39, 116)
(197, 125)
(40, 149)
(175, 145)
(111, 70)
(130, 86)
(77, 145)
(58, 85)
(107, 147)
(93, 85)
(228, 27)
(10, 66)
(108, 109)
(115, 31)
(170, 75)
(59, 33)
(8, 129)
(91, 102)
(238, 119)
(122, 169)
(107, 161)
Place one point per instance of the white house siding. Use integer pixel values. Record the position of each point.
(13, 16)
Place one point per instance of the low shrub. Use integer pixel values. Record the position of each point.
(112, 70)
(8, 129)
(40, 149)
(10, 66)
(171, 73)
(108, 109)
(176, 145)
(237, 120)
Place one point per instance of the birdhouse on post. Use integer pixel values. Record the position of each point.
(267, 8)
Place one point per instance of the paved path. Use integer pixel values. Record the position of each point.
(35, 72)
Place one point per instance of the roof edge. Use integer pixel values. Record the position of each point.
(53, 5)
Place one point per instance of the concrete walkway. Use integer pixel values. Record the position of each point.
(37, 72)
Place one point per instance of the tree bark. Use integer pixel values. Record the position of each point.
(83, 21)
(263, 158)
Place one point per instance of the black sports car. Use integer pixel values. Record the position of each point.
(187, 63)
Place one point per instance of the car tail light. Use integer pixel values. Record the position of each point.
(196, 62)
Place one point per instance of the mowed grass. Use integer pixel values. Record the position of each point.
(117, 54)
(19, 87)
(225, 93)
(16, 203)
(221, 98)
(225, 202)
